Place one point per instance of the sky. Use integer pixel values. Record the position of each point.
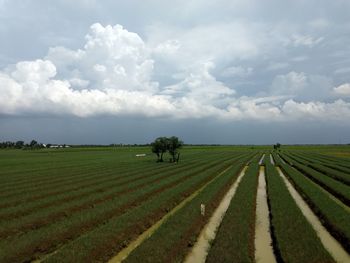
(224, 71)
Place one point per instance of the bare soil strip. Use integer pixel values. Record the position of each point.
(126, 251)
(328, 241)
(271, 160)
(262, 159)
(201, 247)
(263, 240)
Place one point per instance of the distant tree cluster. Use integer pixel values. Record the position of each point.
(163, 144)
(21, 145)
(277, 146)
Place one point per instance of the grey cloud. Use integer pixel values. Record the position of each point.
(258, 49)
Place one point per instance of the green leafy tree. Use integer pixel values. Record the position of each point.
(33, 143)
(159, 147)
(19, 144)
(277, 146)
(173, 145)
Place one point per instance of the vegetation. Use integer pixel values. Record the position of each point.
(94, 193)
(171, 242)
(334, 216)
(322, 167)
(289, 224)
(163, 144)
(21, 145)
(335, 187)
(235, 236)
(87, 204)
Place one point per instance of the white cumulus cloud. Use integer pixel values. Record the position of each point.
(113, 74)
(343, 90)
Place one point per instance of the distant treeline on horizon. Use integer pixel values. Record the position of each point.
(33, 144)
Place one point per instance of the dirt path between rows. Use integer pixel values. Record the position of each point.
(262, 159)
(263, 240)
(328, 241)
(200, 250)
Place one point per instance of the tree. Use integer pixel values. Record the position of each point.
(277, 146)
(33, 144)
(159, 147)
(19, 144)
(174, 144)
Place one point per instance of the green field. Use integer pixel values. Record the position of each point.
(90, 204)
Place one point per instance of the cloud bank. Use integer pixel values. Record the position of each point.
(116, 72)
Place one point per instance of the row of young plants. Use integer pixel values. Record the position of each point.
(338, 189)
(71, 185)
(48, 238)
(82, 180)
(101, 183)
(71, 179)
(288, 224)
(175, 237)
(344, 162)
(118, 233)
(332, 162)
(333, 216)
(48, 215)
(21, 173)
(321, 167)
(57, 176)
(235, 236)
(24, 167)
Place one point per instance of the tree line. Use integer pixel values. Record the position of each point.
(21, 145)
(161, 145)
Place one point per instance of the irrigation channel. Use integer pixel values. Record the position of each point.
(328, 241)
(123, 254)
(200, 249)
(263, 240)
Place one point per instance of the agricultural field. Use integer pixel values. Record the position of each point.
(217, 204)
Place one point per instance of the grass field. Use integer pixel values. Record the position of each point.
(90, 204)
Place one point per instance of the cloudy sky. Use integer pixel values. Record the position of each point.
(224, 71)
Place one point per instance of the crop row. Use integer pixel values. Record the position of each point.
(74, 183)
(100, 183)
(288, 224)
(332, 215)
(52, 236)
(337, 160)
(116, 234)
(47, 182)
(332, 168)
(51, 180)
(332, 162)
(172, 241)
(235, 236)
(85, 181)
(46, 216)
(328, 168)
(335, 187)
(55, 171)
(12, 170)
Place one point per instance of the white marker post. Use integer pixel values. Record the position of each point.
(202, 209)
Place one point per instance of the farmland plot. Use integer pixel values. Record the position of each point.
(104, 204)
